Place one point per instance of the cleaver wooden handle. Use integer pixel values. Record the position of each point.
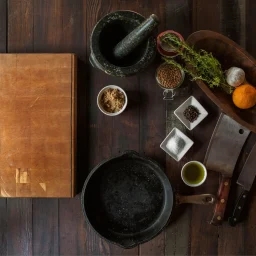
(221, 202)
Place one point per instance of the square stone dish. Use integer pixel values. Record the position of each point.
(191, 101)
(176, 144)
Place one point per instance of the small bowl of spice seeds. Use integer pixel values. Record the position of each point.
(112, 100)
(169, 78)
(191, 113)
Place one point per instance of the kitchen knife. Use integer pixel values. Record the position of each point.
(225, 146)
(245, 180)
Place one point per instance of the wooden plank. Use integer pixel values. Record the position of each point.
(226, 12)
(72, 232)
(206, 15)
(48, 26)
(235, 241)
(249, 215)
(127, 125)
(152, 115)
(100, 137)
(178, 233)
(126, 135)
(178, 18)
(118, 134)
(204, 237)
(20, 26)
(242, 245)
(233, 26)
(3, 226)
(143, 130)
(3, 25)
(45, 212)
(19, 220)
(3, 202)
(59, 27)
(45, 227)
(250, 28)
(233, 20)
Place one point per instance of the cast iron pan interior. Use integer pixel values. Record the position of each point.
(128, 199)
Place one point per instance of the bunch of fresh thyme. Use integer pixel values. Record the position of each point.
(200, 65)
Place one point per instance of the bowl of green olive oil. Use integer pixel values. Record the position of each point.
(193, 173)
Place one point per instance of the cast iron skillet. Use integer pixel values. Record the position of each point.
(128, 199)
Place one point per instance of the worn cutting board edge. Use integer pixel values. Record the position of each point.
(74, 124)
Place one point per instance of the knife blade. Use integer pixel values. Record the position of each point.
(225, 146)
(245, 179)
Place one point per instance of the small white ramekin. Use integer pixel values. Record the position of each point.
(99, 97)
(198, 184)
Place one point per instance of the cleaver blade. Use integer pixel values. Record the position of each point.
(223, 151)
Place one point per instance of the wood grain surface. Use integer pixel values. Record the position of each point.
(21, 209)
(37, 128)
(57, 226)
(3, 202)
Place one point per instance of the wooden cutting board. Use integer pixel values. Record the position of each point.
(37, 125)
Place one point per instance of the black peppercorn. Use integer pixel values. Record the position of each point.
(191, 113)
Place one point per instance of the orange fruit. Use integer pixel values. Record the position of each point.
(244, 96)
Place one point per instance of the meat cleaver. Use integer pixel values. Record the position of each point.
(245, 180)
(223, 151)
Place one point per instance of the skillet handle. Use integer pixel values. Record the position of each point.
(205, 199)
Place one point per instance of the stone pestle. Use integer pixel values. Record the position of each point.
(136, 37)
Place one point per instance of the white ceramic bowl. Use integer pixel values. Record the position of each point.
(193, 102)
(189, 184)
(176, 144)
(99, 97)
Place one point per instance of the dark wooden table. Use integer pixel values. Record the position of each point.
(57, 226)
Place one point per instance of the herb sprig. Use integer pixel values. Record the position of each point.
(203, 65)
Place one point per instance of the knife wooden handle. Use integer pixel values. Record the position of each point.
(238, 209)
(221, 203)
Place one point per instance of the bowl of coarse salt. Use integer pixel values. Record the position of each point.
(176, 144)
